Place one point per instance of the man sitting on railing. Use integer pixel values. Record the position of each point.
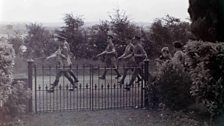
(64, 59)
(139, 55)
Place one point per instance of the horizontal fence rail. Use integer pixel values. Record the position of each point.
(91, 92)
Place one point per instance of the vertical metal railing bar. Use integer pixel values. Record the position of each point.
(90, 90)
(83, 96)
(70, 93)
(114, 87)
(135, 95)
(60, 97)
(57, 104)
(142, 88)
(49, 77)
(91, 72)
(35, 87)
(63, 87)
(42, 91)
(100, 86)
(106, 85)
(78, 87)
(110, 90)
(46, 88)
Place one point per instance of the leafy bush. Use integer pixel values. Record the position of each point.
(13, 97)
(206, 67)
(173, 86)
(6, 65)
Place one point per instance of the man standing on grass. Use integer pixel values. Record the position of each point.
(139, 55)
(128, 58)
(110, 57)
(64, 59)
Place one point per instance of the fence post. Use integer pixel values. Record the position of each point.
(30, 83)
(146, 77)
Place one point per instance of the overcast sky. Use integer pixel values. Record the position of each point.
(91, 10)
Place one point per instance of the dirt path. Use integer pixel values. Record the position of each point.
(134, 117)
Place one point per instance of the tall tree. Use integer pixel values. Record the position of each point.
(164, 31)
(207, 18)
(123, 28)
(39, 41)
(74, 34)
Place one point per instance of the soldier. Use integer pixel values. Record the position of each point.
(110, 57)
(64, 59)
(139, 55)
(128, 59)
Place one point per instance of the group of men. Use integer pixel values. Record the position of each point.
(133, 56)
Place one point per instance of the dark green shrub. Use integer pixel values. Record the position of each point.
(173, 86)
(205, 61)
(13, 97)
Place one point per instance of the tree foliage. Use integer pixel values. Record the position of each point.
(98, 36)
(123, 28)
(74, 34)
(13, 98)
(163, 32)
(207, 18)
(16, 42)
(39, 41)
(205, 62)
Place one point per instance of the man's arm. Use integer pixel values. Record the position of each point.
(121, 57)
(52, 55)
(111, 52)
(102, 53)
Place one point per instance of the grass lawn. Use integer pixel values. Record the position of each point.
(122, 117)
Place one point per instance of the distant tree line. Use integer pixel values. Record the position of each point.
(86, 42)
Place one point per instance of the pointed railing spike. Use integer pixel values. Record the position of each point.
(39, 88)
(66, 87)
(108, 86)
(80, 86)
(95, 86)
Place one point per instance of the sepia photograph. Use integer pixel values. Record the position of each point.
(111, 62)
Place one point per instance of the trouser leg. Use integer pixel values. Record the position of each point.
(124, 76)
(114, 65)
(73, 75)
(67, 75)
(104, 73)
(134, 75)
(58, 75)
(117, 72)
(141, 73)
